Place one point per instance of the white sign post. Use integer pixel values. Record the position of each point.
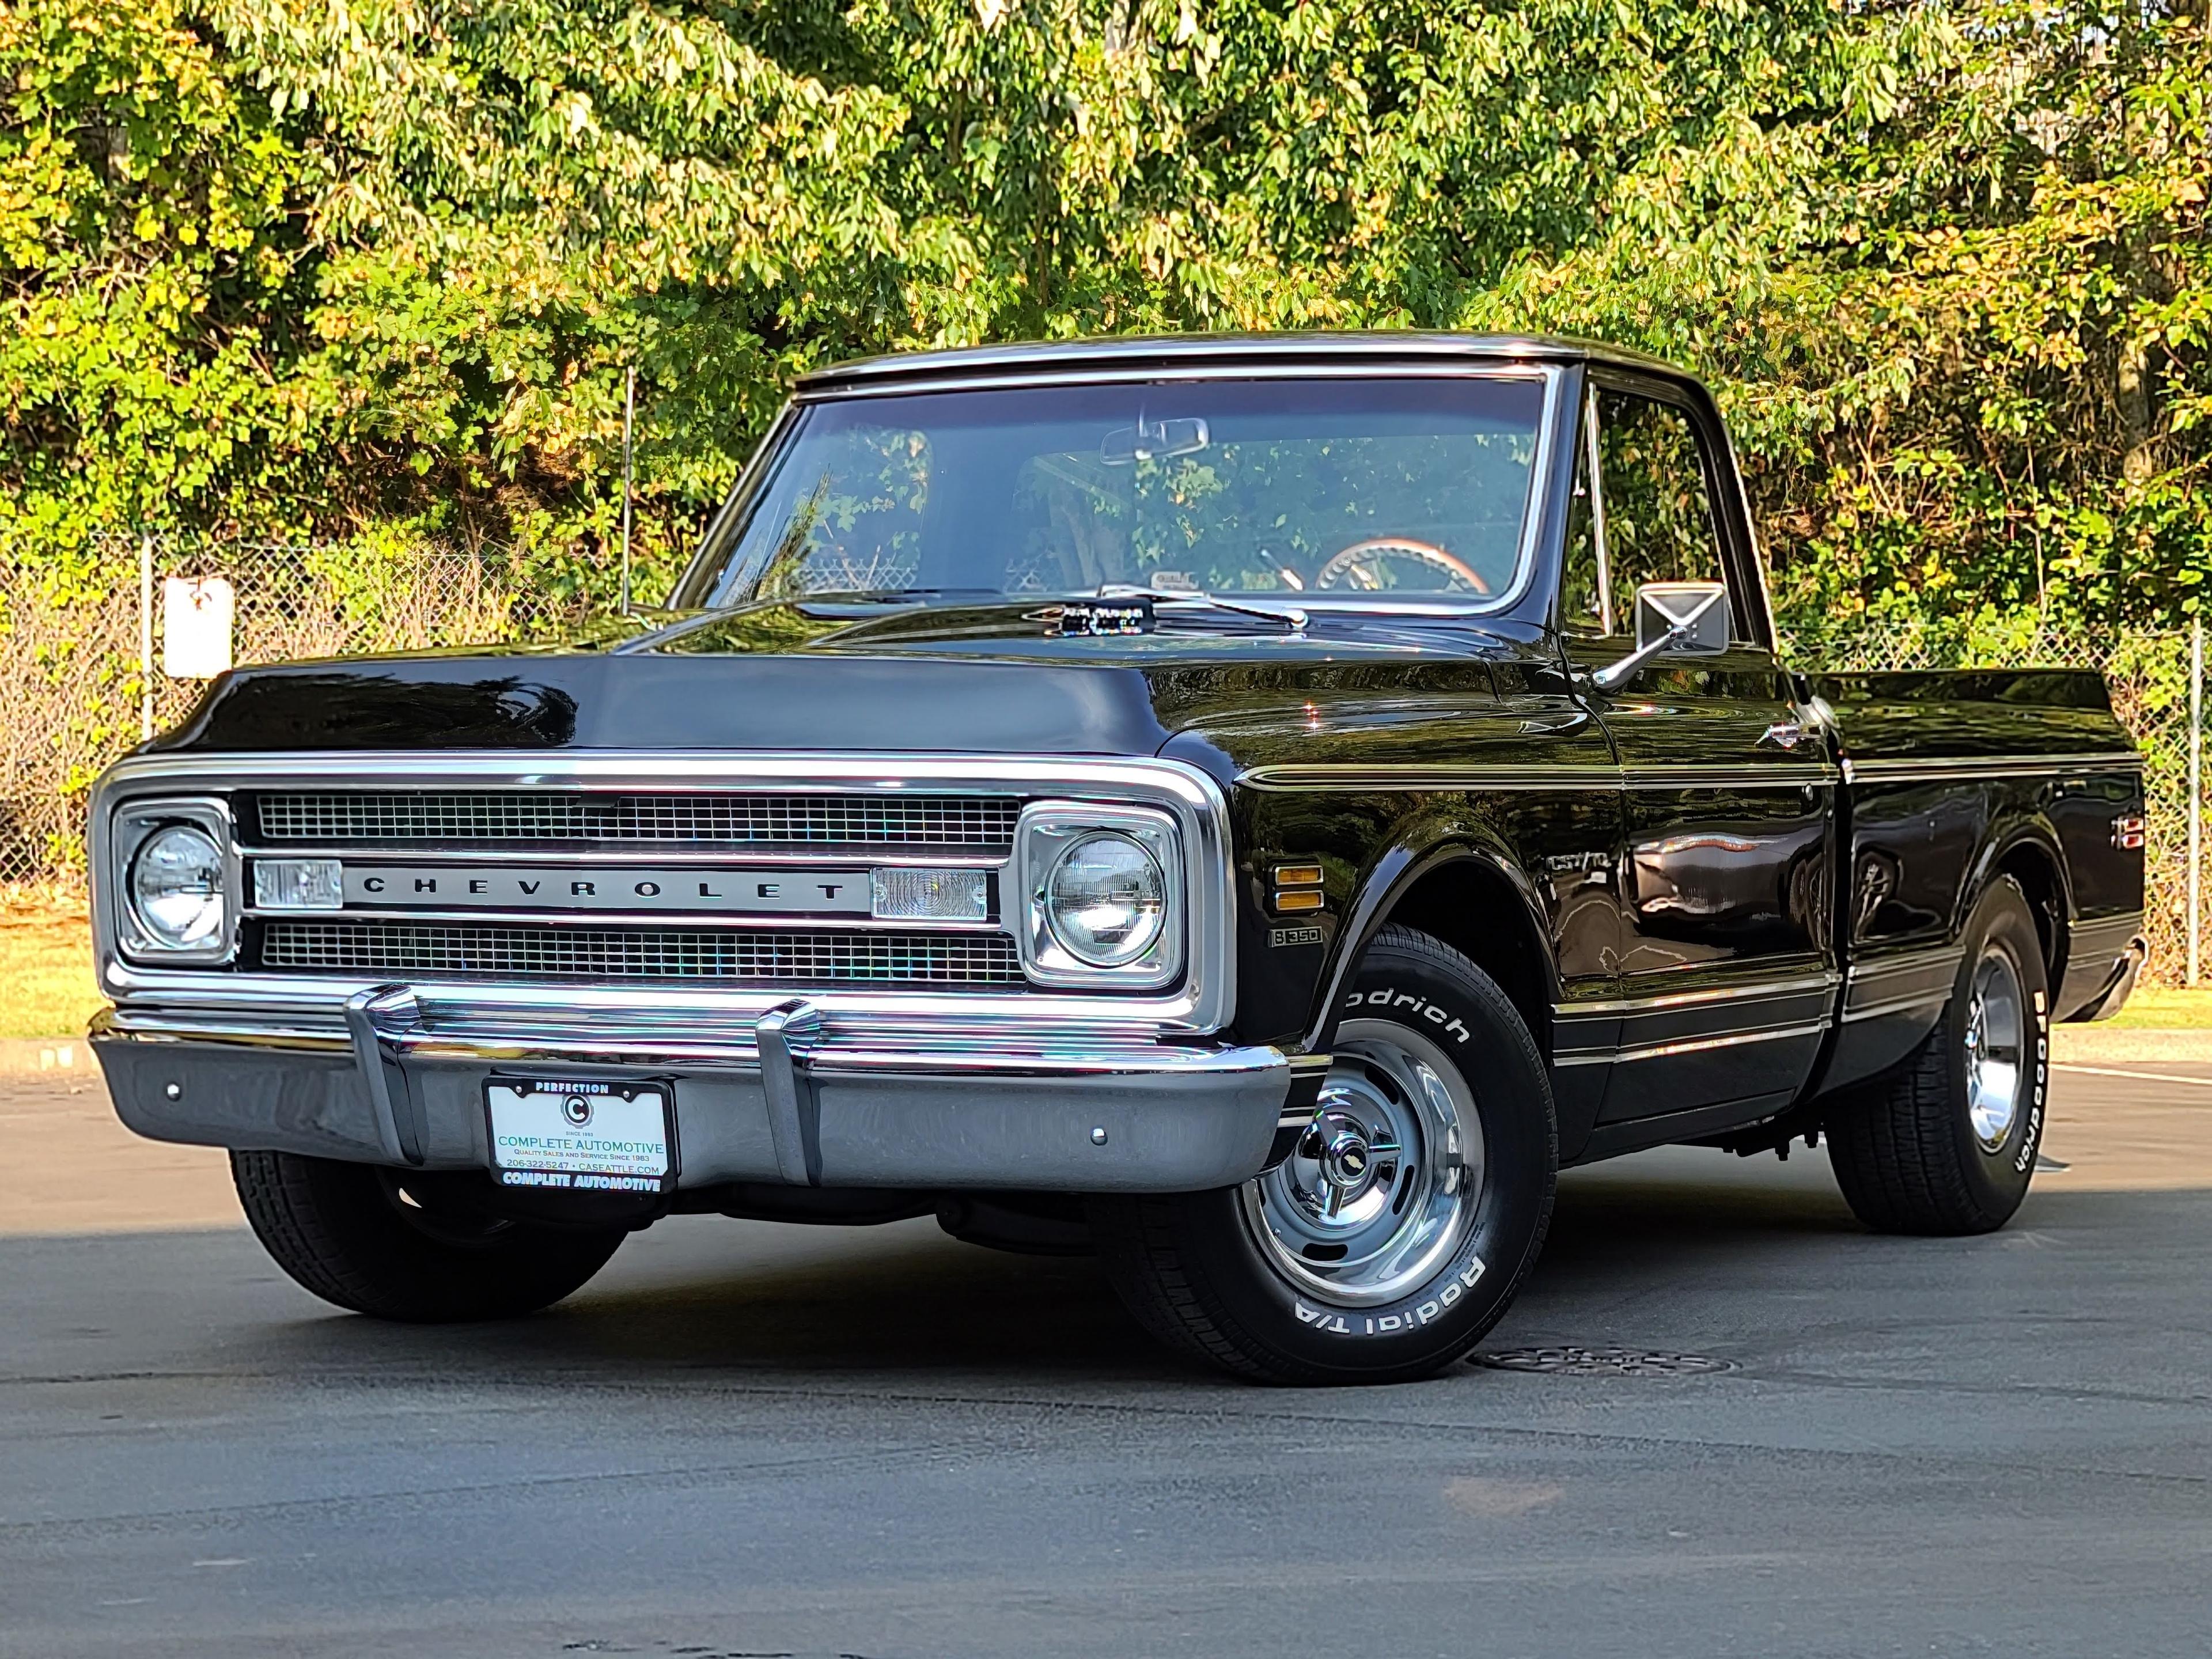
(196, 615)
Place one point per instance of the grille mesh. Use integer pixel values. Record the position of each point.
(632, 953)
(450, 819)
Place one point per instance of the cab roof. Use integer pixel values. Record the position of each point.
(1127, 355)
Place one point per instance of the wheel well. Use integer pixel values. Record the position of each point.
(2032, 867)
(1475, 909)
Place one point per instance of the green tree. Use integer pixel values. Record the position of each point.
(379, 266)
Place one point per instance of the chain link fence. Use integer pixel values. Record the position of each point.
(80, 676)
(81, 672)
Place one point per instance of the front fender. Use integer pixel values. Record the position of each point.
(1421, 847)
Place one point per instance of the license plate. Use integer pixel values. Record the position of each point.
(583, 1136)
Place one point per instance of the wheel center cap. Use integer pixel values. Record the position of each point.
(1344, 1160)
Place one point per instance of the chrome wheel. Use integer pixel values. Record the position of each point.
(1384, 1187)
(1997, 1034)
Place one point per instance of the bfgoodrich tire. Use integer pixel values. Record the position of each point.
(1398, 1232)
(343, 1231)
(1947, 1143)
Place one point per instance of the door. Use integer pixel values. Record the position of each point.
(1727, 975)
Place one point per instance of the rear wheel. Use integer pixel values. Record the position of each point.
(1947, 1144)
(355, 1235)
(1398, 1231)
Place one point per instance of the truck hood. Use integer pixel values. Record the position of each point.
(968, 679)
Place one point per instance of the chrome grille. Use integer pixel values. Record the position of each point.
(450, 819)
(640, 953)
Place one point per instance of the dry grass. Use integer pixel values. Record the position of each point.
(46, 986)
(2165, 1008)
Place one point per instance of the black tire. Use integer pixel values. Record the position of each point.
(1210, 1275)
(1906, 1149)
(343, 1233)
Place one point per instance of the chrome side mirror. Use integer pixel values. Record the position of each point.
(1690, 617)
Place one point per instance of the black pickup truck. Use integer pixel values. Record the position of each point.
(1253, 807)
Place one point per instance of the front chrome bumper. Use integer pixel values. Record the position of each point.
(795, 1094)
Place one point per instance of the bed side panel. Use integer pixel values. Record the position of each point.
(1949, 773)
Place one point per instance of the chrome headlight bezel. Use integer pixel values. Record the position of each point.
(1047, 830)
(135, 823)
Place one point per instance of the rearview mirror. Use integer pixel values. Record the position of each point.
(1155, 440)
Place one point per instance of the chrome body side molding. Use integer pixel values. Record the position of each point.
(1668, 1023)
(1368, 778)
(1908, 981)
(1939, 769)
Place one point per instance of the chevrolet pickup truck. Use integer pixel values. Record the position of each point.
(1254, 808)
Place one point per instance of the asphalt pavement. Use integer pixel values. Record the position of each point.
(747, 1440)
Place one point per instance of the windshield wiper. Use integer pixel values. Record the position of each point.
(1293, 618)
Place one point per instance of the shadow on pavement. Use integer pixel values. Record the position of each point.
(704, 1294)
(701, 1294)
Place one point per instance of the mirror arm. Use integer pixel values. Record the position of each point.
(1620, 673)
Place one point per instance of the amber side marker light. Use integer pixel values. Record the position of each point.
(1297, 887)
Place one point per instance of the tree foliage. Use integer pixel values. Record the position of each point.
(376, 266)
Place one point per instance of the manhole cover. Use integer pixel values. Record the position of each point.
(1602, 1362)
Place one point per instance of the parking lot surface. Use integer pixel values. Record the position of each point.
(743, 1439)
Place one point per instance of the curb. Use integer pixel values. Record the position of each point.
(46, 1057)
(2103, 1043)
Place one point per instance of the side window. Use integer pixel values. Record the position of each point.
(1658, 521)
(1583, 608)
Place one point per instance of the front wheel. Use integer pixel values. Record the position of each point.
(356, 1236)
(1397, 1232)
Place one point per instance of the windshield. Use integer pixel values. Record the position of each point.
(1366, 489)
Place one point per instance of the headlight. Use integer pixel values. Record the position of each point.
(1105, 900)
(176, 888)
(1102, 904)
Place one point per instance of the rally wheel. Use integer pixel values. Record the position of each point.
(1398, 1231)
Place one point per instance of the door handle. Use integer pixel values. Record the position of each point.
(1786, 734)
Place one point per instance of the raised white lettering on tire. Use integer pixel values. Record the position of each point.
(1383, 1324)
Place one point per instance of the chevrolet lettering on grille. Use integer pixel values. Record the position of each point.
(692, 889)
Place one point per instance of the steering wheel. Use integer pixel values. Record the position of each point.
(1346, 564)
